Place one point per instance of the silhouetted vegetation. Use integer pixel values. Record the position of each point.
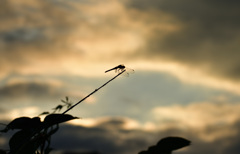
(167, 145)
(33, 136)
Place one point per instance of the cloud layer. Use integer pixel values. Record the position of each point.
(205, 38)
(199, 123)
(202, 35)
(47, 48)
(199, 39)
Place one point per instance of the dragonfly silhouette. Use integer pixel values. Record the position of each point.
(120, 68)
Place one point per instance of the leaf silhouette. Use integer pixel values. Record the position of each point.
(19, 139)
(53, 119)
(44, 113)
(67, 102)
(59, 107)
(3, 151)
(66, 99)
(172, 143)
(167, 145)
(29, 147)
(35, 122)
(23, 123)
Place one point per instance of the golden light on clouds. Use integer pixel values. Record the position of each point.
(30, 111)
(125, 123)
(187, 74)
(93, 36)
(209, 121)
(183, 59)
(199, 115)
(108, 47)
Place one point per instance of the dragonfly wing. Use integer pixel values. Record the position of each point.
(126, 74)
(130, 71)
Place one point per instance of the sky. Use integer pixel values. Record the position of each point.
(186, 82)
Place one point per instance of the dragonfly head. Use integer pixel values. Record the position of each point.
(121, 66)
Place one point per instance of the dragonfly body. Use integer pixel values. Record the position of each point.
(117, 68)
(120, 68)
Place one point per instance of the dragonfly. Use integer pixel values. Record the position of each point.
(121, 68)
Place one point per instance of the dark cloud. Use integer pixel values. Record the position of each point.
(233, 146)
(32, 90)
(45, 14)
(207, 37)
(35, 26)
(227, 143)
(31, 22)
(110, 137)
(107, 137)
(22, 35)
(33, 32)
(116, 139)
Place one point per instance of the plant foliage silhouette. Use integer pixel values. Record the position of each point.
(167, 145)
(33, 136)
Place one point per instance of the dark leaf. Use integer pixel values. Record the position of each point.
(167, 145)
(143, 152)
(3, 152)
(154, 150)
(69, 105)
(19, 140)
(44, 113)
(67, 102)
(59, 107)
(18, 123)
(23, 123)
(53, 119)
(35, 122)
(173, 143)
(30, 147)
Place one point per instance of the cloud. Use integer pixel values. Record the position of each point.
(74, 37)
(39, 37)
(36, 90)
(29, 34)
(212, 128)
(201, 117)
(110, 137)
(206, 37)
(197, 42)
(31, 89)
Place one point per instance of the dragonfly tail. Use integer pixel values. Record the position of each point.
(108, 70)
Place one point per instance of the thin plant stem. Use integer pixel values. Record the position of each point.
(93, 92)
(40, 129)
